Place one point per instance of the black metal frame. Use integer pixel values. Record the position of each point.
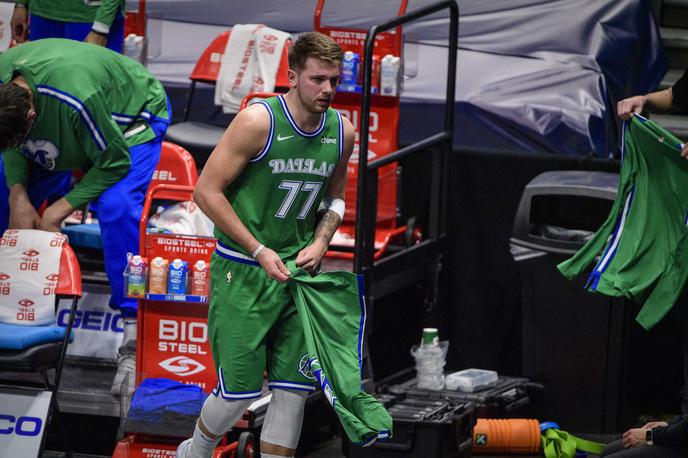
(54, 406)
(189, 99)
(405, 267)
(53, 387)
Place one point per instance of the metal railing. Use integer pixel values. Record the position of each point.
(366, 199)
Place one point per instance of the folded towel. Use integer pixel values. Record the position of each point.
(249, 64)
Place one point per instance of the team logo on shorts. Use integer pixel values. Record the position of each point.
(229, 277)
(304, 367)
(42, 152)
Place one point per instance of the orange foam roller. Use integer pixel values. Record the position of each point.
(513, 435)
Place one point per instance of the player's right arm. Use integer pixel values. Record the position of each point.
(17, 169)
(243, 139)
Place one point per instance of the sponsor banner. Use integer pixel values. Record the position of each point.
(176, 344)
(189, 248)
(97, 328)
(382, 140)
(144, 450)
(22, 421)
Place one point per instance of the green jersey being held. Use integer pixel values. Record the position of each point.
(277, 195)
(641, 250)
(92, 105)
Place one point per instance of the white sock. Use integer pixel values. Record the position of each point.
(266, 455)
(201, 446)
(218, 416)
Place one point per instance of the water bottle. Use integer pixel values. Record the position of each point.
(430, 358)
(133, 47)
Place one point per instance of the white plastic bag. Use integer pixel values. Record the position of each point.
(430, 361)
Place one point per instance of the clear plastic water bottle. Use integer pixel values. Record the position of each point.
(133, 47)
(430, 356)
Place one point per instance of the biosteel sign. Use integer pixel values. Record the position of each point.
(175, 345)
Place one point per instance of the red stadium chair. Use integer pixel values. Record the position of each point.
(35, 349)
(176, 166)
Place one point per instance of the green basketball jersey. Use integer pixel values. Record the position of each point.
(277, 195)
(643, 244)
(331, 307)
(92, 104)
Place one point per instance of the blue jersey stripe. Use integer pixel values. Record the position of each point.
(266, 148)
(341, 134)
(289, 381)
(75, 103)
(234, 394)
(361, 325)
(228, 252)
(122, 118)
(610, 252)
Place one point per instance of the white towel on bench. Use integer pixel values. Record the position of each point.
(29, 272)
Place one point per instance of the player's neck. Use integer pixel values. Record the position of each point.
(305, 119)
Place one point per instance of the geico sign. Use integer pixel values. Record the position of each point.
(21, 426)
(92, 320)
(182, 336)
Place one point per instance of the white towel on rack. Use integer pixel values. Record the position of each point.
(249, 64)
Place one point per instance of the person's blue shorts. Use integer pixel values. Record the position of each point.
(40, 27)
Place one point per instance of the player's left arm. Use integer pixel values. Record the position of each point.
(331, 210)
(103, 143)
(105, 16)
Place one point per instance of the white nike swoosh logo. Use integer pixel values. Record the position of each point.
(280, 138)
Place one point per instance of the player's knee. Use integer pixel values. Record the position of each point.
(219, 415)
(284, 417)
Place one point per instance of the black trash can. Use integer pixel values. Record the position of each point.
(576, 343)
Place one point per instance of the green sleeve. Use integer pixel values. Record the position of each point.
(106, 14)
(17, 167)
(105, 146)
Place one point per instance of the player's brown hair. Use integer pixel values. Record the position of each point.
(14, 109)
(313, 44)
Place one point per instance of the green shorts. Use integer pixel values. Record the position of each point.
(253, 325)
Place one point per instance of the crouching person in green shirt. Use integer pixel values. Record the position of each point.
(65, 106)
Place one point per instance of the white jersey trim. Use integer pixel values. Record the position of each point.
(298, 130)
